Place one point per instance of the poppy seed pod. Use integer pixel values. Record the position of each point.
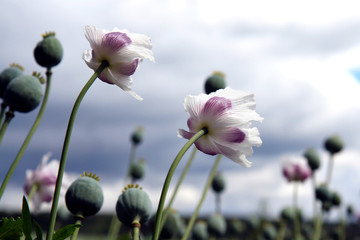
(322, 193)
(137, 170)
(334, 144)
(24, 93)
(133, 205)
(312, 158)
(137, 136)
(215, 82)
(199, 231)
(85, 196)
(216, 225)
(218, 183)
(335, 199)
(9, 74)
(48, 52)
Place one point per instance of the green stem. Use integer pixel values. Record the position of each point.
(76, 232)
(136, 230)
(330, 169)
(2, 112)
(207, 186)
(30, 133)
(168, 180)
(318, 227)
(282, 229)
(115, 224)
(183, 174)
(65, 149)
(8, 116)
(296, 215)
(33, 190)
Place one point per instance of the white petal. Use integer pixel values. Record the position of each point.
(124, 82)
(94, 36)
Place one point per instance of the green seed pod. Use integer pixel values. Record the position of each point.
(137, 170)
(24, 93)
(137, 136)
(199, 231)
(48, 52)
(288, 214)
(322, 193)
(218, 183)
(236, 227)
(215, 82)
(334, 144)
(312, 158)
(174, 226)
(335, 199)
(269, 231)
(349, 210)
(84, 197)
(133, 205)
(216, 225)
(9, 74)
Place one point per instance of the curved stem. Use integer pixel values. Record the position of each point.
(207, 186)
(183, 174)
(168, 180)
(76, 232)
(65, 149)
(2, 112)
(8, 116)
(30, 133)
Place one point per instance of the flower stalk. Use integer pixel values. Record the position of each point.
(65, 149)
(207, 186)
(183, 174)
(30, 133)
(9, 115)
(171, 171)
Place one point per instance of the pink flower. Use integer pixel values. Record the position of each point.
(227, 115)
(43, 179)
(122, 50)
(296, 169)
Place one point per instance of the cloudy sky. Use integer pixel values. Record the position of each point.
(300, 59)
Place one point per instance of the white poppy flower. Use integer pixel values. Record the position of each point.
(123, 51)
(227, 115)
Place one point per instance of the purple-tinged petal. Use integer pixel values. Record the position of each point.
(115, 41)
(233, 135)
(185, 134)
(126, 69)
(216, 106)
(205, 145)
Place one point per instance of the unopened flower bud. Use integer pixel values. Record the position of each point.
(133, 205)
(215, 82)
(24, 93)
(48, 52)
(218, 183)
(312, 158)
(9, 74)
(334, 144)
(85, 196)
(216, 225)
